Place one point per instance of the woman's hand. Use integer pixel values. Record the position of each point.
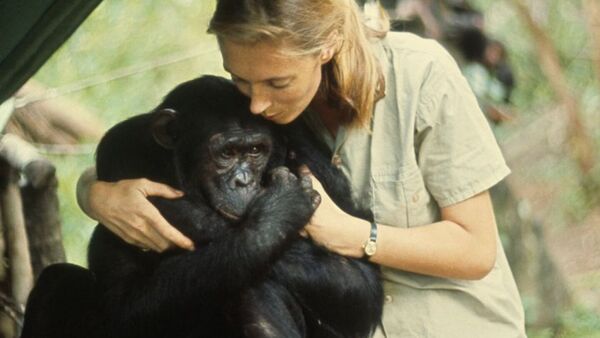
(334, 229)
(124, 209)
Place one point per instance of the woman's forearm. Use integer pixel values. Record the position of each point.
(462, 245)
(443, 249)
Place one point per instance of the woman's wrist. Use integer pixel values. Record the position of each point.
(356, 233)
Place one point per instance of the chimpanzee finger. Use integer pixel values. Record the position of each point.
(315, 199)
(282, 175)
(305, 180)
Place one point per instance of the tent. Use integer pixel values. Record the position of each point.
(30, 31)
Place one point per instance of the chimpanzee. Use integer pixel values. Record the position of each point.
(251, 274)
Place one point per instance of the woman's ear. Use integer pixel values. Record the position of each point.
(331, 47)
(162, 129)
(326, 55)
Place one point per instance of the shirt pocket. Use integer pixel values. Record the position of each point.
(400, 197)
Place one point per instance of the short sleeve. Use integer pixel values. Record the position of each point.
(456, 149)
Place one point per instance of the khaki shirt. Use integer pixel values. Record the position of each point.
(429, 147)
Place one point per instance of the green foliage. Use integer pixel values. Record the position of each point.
(556, 174)
(565, 25)
(564, 22)
(122, 34)
(577, 323)
(582, 323)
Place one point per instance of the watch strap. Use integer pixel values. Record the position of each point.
(370, 246)
(373, 234)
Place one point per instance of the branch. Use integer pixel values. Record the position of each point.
(581, 144)
(61, 113)
(10, 308)
(591, 10)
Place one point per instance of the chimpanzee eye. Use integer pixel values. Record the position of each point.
(227, 153)
(255, 150)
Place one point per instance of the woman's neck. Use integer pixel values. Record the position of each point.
(330, 117)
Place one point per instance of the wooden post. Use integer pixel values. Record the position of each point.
(3, 264)
(16, 238)
(7, 325)
(19, 281)
(43, 224)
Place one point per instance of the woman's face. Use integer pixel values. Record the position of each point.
(280, 87)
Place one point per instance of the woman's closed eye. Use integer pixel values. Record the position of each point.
(280, 84)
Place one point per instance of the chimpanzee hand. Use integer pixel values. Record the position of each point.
(283, 178)
(285, 205)
(306, 181)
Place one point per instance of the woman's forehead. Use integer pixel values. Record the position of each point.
(261, 61)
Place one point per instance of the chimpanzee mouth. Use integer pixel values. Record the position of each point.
(228, 214)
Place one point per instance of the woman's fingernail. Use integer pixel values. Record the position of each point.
(304, 169)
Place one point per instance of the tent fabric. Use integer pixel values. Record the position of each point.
(30, 32)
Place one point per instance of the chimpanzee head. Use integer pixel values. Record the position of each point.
(221, 150)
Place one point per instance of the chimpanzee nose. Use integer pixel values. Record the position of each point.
(242, 179)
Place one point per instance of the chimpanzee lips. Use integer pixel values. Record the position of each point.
(228, 214)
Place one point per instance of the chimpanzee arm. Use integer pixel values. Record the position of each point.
(141, 287)
(340, 295)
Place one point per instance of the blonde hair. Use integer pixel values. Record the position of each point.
(308, 27)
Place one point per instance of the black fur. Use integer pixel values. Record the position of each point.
(252, 277)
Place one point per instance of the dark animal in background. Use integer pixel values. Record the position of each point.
(476, 46)
(251, 274)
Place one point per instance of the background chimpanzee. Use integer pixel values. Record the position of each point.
(251, 274)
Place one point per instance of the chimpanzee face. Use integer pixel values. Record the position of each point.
(220, 161)
(232, 174)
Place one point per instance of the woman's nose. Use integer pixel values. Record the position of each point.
(259, 102)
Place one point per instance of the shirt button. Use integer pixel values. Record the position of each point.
(415, 197)
(336, 160)
(388, 299)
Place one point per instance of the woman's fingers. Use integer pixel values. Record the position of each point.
(124, 208)
(161, 230)
(164, 233)
(133, 237)
(150, 188)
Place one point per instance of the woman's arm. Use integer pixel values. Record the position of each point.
(462, 245)
(124, 209)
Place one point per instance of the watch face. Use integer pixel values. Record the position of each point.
(370, 248)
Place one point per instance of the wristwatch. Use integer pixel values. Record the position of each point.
(370, 246)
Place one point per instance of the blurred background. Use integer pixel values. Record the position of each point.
(534, 66)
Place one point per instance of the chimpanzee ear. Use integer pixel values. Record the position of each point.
(162, 127)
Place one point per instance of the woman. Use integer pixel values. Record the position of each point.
(402, 125)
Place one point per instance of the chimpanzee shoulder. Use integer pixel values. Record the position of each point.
(128, 151)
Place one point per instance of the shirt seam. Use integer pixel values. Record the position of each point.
(473, 187)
